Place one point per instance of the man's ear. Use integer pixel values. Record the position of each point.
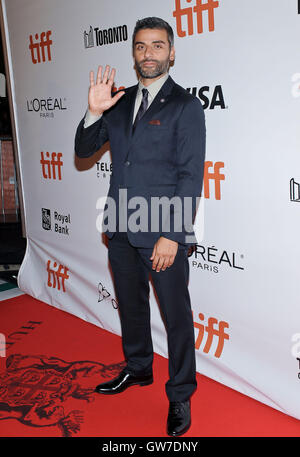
(172, 53)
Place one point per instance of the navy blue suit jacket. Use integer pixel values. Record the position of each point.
(163, 157)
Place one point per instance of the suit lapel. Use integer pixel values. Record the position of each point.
(128, 110)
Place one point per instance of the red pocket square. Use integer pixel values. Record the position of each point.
(154, 122)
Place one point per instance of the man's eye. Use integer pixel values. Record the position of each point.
(158, 46)
(140, 47)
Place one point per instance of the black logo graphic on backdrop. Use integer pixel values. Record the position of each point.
(211, 259)
(35, 389)
(104, 168)
(46, 107)
(46, 219)
(298, 6)
(100, 37)
(61, 221)
(210, 97)
(103, 294)
(294, 191)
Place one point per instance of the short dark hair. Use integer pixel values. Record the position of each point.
(154, 23)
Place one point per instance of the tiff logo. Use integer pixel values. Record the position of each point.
(199, 9)
(50, 167)
(57, 274)
(216, 176)
(211, 332)
(294, 191)
(2, 345)
(37, 49)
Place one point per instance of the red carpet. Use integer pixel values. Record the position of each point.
(53, 362)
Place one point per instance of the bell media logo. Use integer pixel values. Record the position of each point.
(200, 7)
(40, 49)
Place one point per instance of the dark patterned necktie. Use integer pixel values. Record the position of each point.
(143, 107)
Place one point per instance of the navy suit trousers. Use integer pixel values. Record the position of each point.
(131, 267)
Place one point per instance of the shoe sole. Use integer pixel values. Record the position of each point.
(142, 383)
(182, 432)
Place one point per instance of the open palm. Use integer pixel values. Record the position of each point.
(100, 98)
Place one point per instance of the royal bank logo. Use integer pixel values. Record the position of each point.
(62, 222)
(195, 16)
(46, 107)
(212, 259)
(294, 191)
(210, 98)
(40, 47)
(96, 36)
(46, 219)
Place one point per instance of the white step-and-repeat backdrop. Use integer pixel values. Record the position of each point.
(241, 58)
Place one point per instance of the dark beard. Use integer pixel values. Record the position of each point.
(151, 73)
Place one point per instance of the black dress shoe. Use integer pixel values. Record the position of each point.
(179, 418)
(121, 383)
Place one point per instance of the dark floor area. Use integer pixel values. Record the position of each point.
(12, 250)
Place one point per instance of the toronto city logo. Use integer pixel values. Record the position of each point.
(189, 12)
(51, 168)
(99, 37)
(214, 328)
(40, 49)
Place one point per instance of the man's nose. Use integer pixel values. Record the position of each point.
(148, 52)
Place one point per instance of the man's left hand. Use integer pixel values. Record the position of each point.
(163, 253)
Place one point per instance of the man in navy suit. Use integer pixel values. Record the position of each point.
(156, 131)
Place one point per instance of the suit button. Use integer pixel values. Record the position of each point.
(127, 163)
